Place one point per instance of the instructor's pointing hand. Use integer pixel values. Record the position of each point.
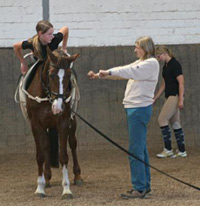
(103, 73)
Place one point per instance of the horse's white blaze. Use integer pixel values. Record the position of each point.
(61, 74)
(57, 104)
(65, 182)
(41, 185)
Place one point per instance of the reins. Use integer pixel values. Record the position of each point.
(131, 154)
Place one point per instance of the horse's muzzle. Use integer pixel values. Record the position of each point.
(57, 106)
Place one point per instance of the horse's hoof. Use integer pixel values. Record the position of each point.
(78, 182)
(40, 195)
(67, 196)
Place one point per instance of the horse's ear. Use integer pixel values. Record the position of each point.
(51, 55)
(74, 57)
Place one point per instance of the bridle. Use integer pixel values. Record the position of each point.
(51, 95)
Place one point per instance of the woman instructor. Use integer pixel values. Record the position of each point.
(142, 78)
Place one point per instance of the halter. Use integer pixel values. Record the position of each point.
(65, 97)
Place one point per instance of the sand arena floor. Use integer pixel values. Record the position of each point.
(106, 175)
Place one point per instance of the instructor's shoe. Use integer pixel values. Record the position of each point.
(165, 153)
(134, 194)
(148, 190)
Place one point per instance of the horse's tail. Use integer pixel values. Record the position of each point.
(53, 136)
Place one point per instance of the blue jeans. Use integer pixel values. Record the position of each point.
(138, 118)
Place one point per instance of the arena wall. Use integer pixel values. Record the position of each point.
(101, 100)
(103, 33)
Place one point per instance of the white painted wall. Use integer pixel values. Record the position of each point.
(18, 19)
(105, 23)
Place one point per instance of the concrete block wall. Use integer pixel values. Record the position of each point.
(104, 23)
(101, 100)
(103, 32)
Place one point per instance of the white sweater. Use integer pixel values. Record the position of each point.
(143, 78)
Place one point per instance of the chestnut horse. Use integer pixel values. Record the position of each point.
(52, 83)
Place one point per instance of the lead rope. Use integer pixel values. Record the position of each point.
(131, 154)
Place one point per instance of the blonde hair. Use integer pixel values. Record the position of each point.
(147, 44)
(164, 49)
(42, 26)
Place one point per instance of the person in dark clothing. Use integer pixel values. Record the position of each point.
(38, 43)
(173, 86)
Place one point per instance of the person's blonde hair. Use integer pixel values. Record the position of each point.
(42, 26)
(147, 44)
(163, 49)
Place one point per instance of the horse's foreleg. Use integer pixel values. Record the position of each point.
(66, 184)
(63, 134)
(73, 145)
(42, 156)
(40, 186)
(40, 161)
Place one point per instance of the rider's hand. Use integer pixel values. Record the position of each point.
(65, 50)
(24, 68)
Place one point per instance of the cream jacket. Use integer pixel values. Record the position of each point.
(142, 80)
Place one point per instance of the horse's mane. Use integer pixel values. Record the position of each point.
(59, 53)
